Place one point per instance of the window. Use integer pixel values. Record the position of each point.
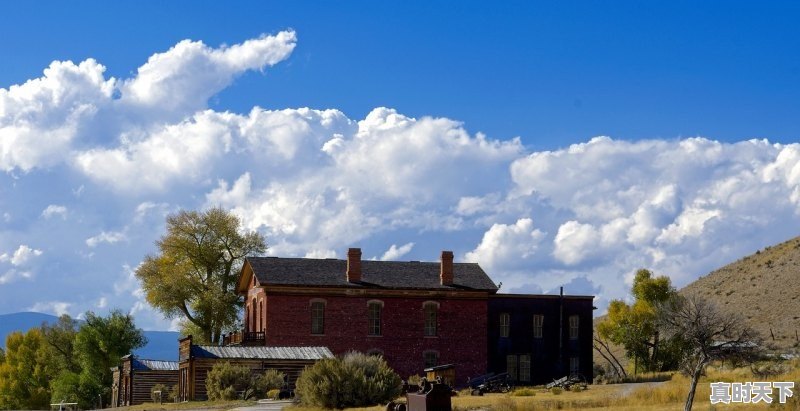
(430, 310)
(574, 366)
(261, 318)
(525, 367)
(375, 353)
(511, 367)
(318, 317)
(505, 324)
(431, 358)
(538, 322)
(253, 316)
(573, 327)
(374, 309)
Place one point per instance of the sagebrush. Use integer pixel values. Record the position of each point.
(354, 380)
(226, 381)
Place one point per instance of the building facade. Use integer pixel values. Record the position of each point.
(538, 338)
(416, 315)
(134, 378)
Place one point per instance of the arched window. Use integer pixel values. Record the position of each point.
(253, 315)
(261, 320)
(430, 311)
(374, 311)
(317, 316)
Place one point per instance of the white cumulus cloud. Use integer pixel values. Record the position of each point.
(108, 237)
(394, 252)
(53, 210)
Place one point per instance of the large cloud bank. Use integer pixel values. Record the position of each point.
(93, 164)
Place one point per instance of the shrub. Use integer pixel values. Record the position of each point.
(270, 380)
(414, 380)
(556, 390)
(524, 392)
(174, 393)
(231, 382)
(355, 380)
(274, 394)
(166, 393)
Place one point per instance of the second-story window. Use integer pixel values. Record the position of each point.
(573, 327)
(317, 317)
(430, 311)
(505, 324)
(538, 323)
(374, 309)
(253, 316)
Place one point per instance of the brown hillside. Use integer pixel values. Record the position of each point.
(763, 288)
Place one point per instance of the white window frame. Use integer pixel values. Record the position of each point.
(538, 325)
(375, 325)
(430, 313)
(574, 327)
(505, 324)
(313, 304)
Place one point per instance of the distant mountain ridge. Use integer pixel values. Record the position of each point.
(763, 289)
(161, 345)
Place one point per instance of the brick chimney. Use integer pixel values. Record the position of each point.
(354, 265)
(446, 272)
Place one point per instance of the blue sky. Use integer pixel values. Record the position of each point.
(473, 126)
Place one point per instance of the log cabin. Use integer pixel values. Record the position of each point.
(134, 378)
(195, 361)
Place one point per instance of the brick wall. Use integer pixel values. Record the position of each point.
(461, 330)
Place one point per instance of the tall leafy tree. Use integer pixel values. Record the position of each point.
(59, 339)
(634, 326)
(194, 274)
(99, 345)
(25, 373)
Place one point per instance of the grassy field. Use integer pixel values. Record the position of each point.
(658, 396)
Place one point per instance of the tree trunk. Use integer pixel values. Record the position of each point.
(605, 346)
(654, 357)
(695, 378)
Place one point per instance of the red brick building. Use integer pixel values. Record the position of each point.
(416, 314)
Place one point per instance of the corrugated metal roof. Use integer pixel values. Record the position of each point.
(154, 365)
(375, 274)
(263, 353)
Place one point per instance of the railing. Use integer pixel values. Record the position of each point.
(245, 338)
(254, 337)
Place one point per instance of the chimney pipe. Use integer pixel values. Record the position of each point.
(446, 271)
(354, 265)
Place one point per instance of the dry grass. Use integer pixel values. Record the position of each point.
(192, 405)
(667, 395)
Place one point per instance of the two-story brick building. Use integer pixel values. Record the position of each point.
(415, 314)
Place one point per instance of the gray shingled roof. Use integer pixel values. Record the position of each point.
(374, 274)
(262, 353)
(154, 365)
